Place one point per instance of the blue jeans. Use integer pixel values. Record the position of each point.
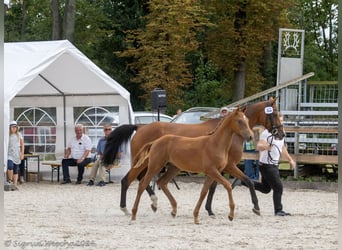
(12, 166)
(252, 169)
(270, 180)
(73, 162)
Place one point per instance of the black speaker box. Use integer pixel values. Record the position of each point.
(158, 99)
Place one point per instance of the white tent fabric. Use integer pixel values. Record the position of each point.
(53, 69)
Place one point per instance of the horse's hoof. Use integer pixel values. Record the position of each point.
(212, 216)
(154, 203)
(196, 221)
(230, 217)
(256, 211)
(125, 210)
(154, 209)
(173, 214)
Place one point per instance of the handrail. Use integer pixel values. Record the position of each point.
(262, 93)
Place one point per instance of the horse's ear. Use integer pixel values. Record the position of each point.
(244, 109)
(272, 100)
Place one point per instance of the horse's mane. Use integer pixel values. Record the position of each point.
(218, 125)
(222, 119)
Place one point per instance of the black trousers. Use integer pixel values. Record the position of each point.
(73, 162)
(270, 180)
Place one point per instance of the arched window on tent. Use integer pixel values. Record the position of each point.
(38, 127)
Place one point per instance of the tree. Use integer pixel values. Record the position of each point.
(161, 48)
(243, 32)
(63, 29)
(206, 89)
(319, 20)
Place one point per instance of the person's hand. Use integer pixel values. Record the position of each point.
(292, 164)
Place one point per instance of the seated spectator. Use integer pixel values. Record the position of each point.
(77, 154)
(98, 167)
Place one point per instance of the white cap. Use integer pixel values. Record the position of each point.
(13, 123)
(224, 108)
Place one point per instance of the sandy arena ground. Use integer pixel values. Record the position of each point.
(52, 216)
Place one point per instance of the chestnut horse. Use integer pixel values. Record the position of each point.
(211, 157)
(147, 133)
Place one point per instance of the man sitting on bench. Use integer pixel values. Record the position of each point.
(77, 154)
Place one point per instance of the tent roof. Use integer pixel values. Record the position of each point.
(54, 68)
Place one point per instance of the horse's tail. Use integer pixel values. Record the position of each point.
(142, 155)
(115, 139)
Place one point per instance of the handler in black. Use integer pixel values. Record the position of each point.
(271, 149)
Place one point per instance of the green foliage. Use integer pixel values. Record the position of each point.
(319, 19)
(147, 44)
(160, 49)
(206, 90)
(243, 31)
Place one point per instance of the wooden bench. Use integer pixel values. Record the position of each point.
(56, 165)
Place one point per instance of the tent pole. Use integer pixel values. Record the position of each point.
(64, 124)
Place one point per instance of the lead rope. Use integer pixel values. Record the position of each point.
(269, 157)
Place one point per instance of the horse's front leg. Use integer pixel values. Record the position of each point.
(237, 173)
(210, 199)
(208, 181)
(162, 182)
(215, 175)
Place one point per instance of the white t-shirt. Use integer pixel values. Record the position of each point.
(79, 146)
(14, 148)
(273, 156)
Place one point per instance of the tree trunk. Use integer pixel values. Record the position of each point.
(69, 20)
(56, 28)
(23, 21)
(239, 82)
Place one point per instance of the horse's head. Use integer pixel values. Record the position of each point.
(266, 113)
(240, 124)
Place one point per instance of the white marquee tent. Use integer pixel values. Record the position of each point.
(56, 73)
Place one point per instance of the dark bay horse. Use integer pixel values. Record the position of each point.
(147, 133)
(212, 156)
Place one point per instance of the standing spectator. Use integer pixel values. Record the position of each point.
(178, 112)
(251, 168)
(22, 172)
(77, 154)
(15, 153)
(271, 149)
(223, 112)
(107, 128)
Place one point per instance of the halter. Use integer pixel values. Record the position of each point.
(269, 116)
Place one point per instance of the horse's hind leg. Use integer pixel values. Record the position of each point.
(237, 173)
(208, 181)
(210, 199)
(149, 190)
(125, 183)
(124, 188)
(162, 182)
(142, 185)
